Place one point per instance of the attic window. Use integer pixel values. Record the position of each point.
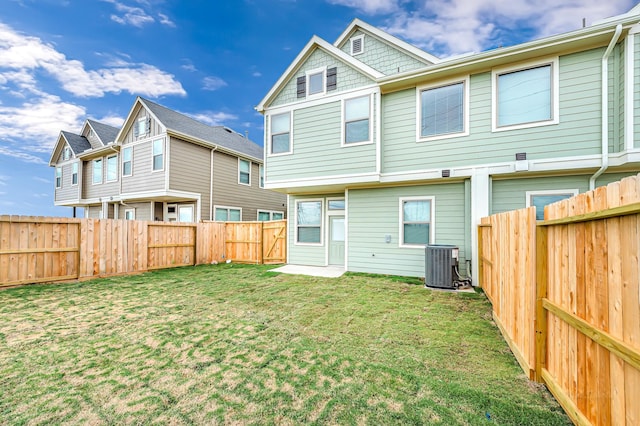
(317, 82)
(66, 153)
(357, 45)
(141, 127)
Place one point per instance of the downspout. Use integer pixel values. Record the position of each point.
(605, 108)
(211, 186)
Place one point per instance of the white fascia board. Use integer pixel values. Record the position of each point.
(323, 181)
(130, 117)
(376, 32)
(308, 49)
(55, 148)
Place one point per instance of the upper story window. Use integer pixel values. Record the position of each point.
(317, 82)
(141, 127)
(540, 199)
(416, 221)
(443, 110)
(158, 154)
(357, 123)
(58, 177)
(525, 97)
(74, 174)
(281, 133)
(357, 45)
(112, 168)
(97, 171)
(244, 172)
(309, 222)
(261, 171)
(66, 153)
(127, 161)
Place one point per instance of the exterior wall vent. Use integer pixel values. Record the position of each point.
(521, 156)
(357, 45)
(446, 173)
(440, 263)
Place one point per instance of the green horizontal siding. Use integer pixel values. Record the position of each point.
(348, 78)
(382, 56)
(317, 150)
(374, 213)
(577, 134)
(608, 178)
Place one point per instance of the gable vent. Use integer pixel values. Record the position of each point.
(357, 45)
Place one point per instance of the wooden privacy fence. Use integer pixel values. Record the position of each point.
(566, 295)
(38, 249)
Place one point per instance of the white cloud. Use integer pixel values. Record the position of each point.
(21, 56)
(135, 16)
(213, 83)
(42, 195)
(41, 179)
(458, 26)
(257, 74)
(3, 180)
(213, 118)
(370, 7)
(189, 67)
(164, 20)
(21, 155)
(111, 120)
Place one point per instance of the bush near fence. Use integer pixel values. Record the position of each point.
(41, 249)
(566, 295)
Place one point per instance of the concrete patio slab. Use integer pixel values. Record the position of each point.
(314, 271)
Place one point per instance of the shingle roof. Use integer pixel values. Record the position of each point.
(106, 133)
(78, 143)
(216, 135)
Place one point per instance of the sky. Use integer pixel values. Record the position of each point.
(63, 61)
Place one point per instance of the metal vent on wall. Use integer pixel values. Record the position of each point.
(356, 45)
(440, 261)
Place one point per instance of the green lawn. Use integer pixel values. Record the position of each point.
(234, 344)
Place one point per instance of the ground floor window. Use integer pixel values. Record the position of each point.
(309, 222)
(416, 221)
(539, 199)
(130, 214)
(228, 214)
(266, 215)
(185, 214)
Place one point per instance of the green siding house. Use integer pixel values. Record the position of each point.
(383, 148)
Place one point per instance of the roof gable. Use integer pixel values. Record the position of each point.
(313, 44)
(77, 143)
(106, 133)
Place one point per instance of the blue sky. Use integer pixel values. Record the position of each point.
(62, 61)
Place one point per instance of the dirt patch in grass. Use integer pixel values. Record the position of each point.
(237, 344)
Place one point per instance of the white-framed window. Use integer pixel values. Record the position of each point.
(130, 214)
(228, 214)
(244, 172)
(357, 45)
(141, 127)
(417, 221)
(316, 81)
(158, 154)
(90, 134)
(185, 213)
(74, 173)
(266, 215)
(539, 199)
(97, 171)
(525, 96)
(356, 119)
(280, 134)
(127, 161)
(261, 171)
(66, 153)
(309, 222)
(443, 110)
(336, 204)
(58, 177)
(112, 168)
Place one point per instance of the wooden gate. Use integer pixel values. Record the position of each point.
(274, 242)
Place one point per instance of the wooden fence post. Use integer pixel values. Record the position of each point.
(542, 277)
(480, 256)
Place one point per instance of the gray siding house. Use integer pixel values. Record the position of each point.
(163, 165)
(415, 150)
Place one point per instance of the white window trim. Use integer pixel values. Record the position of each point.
(529, 194)
(295, 222)
(432, 223)
(336, 211)
(93, 165)
(77, 173)
(163, 155)
(58, 169)
(185, 205)
(308, 74)
(352, 39)
(555, 93)
(106, 175)
(271, 212)
(133, 212)
(227, 208)
(270, 141)
(137, 124)
(131, 161)
(465, 109)
(240, 160)
(343, 133)
(261, 176)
